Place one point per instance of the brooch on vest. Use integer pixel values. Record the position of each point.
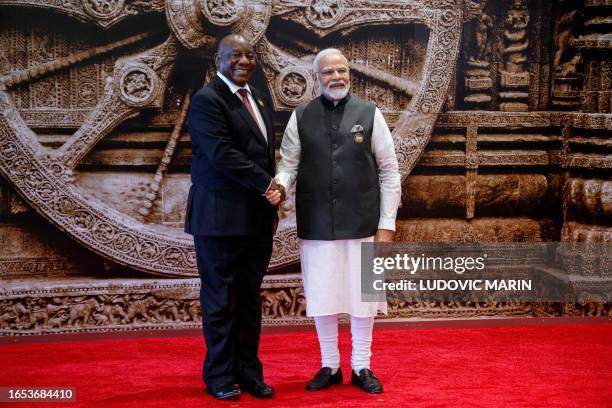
(357, 133)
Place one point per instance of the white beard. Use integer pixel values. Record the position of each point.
(334, 95)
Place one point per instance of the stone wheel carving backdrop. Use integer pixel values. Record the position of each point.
(93, 98)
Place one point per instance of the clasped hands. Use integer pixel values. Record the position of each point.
(276, 193)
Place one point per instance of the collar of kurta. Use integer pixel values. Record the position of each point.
(330, 104)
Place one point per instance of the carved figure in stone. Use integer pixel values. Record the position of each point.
(563, 35)
(169, 310)
(193, 311)
(100, 319)
(142, 308)
(38, 315)
(294, 86)
(81, 310)
(103, 7)
(58, 321)
(569, 309)
(13, 314)
(591, 304)
(482, 38)
(456, 301)
(397, 304)
(570, 68)
(514, 76)
(114, 313)
(324, 9)
(275, 303)
(298, 304)
(222, 9)
(516, 36)
(567, 63)
(137, 84)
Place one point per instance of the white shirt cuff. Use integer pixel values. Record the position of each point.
(283, 179)
(386, 223)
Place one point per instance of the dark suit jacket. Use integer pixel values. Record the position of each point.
(232, 165)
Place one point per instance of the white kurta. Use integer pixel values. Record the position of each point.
(331, 270)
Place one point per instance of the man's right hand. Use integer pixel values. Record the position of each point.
(276, 193)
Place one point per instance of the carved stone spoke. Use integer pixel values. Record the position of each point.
(139, 82)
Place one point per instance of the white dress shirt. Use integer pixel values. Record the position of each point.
(234, 89)
(383, 149)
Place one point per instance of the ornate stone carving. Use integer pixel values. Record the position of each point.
(105, 13)
(478, 81)
(137, 85)
(595, 45)
(114, 305)
(514, 76)
(103, 9)
(589, 199)
(512, 194)
(567, 63)
(296, 86)
(324, 13)
(484, 229)
(222, 12)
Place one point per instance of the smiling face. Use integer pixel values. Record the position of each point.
(334, 77)
(235, 59)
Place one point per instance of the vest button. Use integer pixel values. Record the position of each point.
(335, 127)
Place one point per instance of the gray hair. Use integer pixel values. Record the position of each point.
(324, 53)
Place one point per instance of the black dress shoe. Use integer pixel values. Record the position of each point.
(224, 391)
(367, 381)
(324, 379)
(257, 388)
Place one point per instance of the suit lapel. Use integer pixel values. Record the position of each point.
(234, 100)
(244, 112)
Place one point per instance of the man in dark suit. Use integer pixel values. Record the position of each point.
(231, 220)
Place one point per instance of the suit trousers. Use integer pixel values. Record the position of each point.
(231, 272)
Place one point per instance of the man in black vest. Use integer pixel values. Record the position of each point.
(231, 221)
(339, 150)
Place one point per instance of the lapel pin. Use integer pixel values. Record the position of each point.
(357, 131)
(260, 102)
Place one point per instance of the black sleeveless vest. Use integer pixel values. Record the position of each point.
(337, 191)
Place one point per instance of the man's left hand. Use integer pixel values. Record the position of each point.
(384, 235)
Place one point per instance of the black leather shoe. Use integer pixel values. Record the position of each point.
(324, 379)
(257, 388)
(367, 381)
(224, 391)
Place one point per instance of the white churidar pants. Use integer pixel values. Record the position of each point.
(331, 271)
(361, 335)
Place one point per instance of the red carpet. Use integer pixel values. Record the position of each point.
(529, 366)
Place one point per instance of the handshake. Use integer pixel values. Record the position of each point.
(276, 193)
